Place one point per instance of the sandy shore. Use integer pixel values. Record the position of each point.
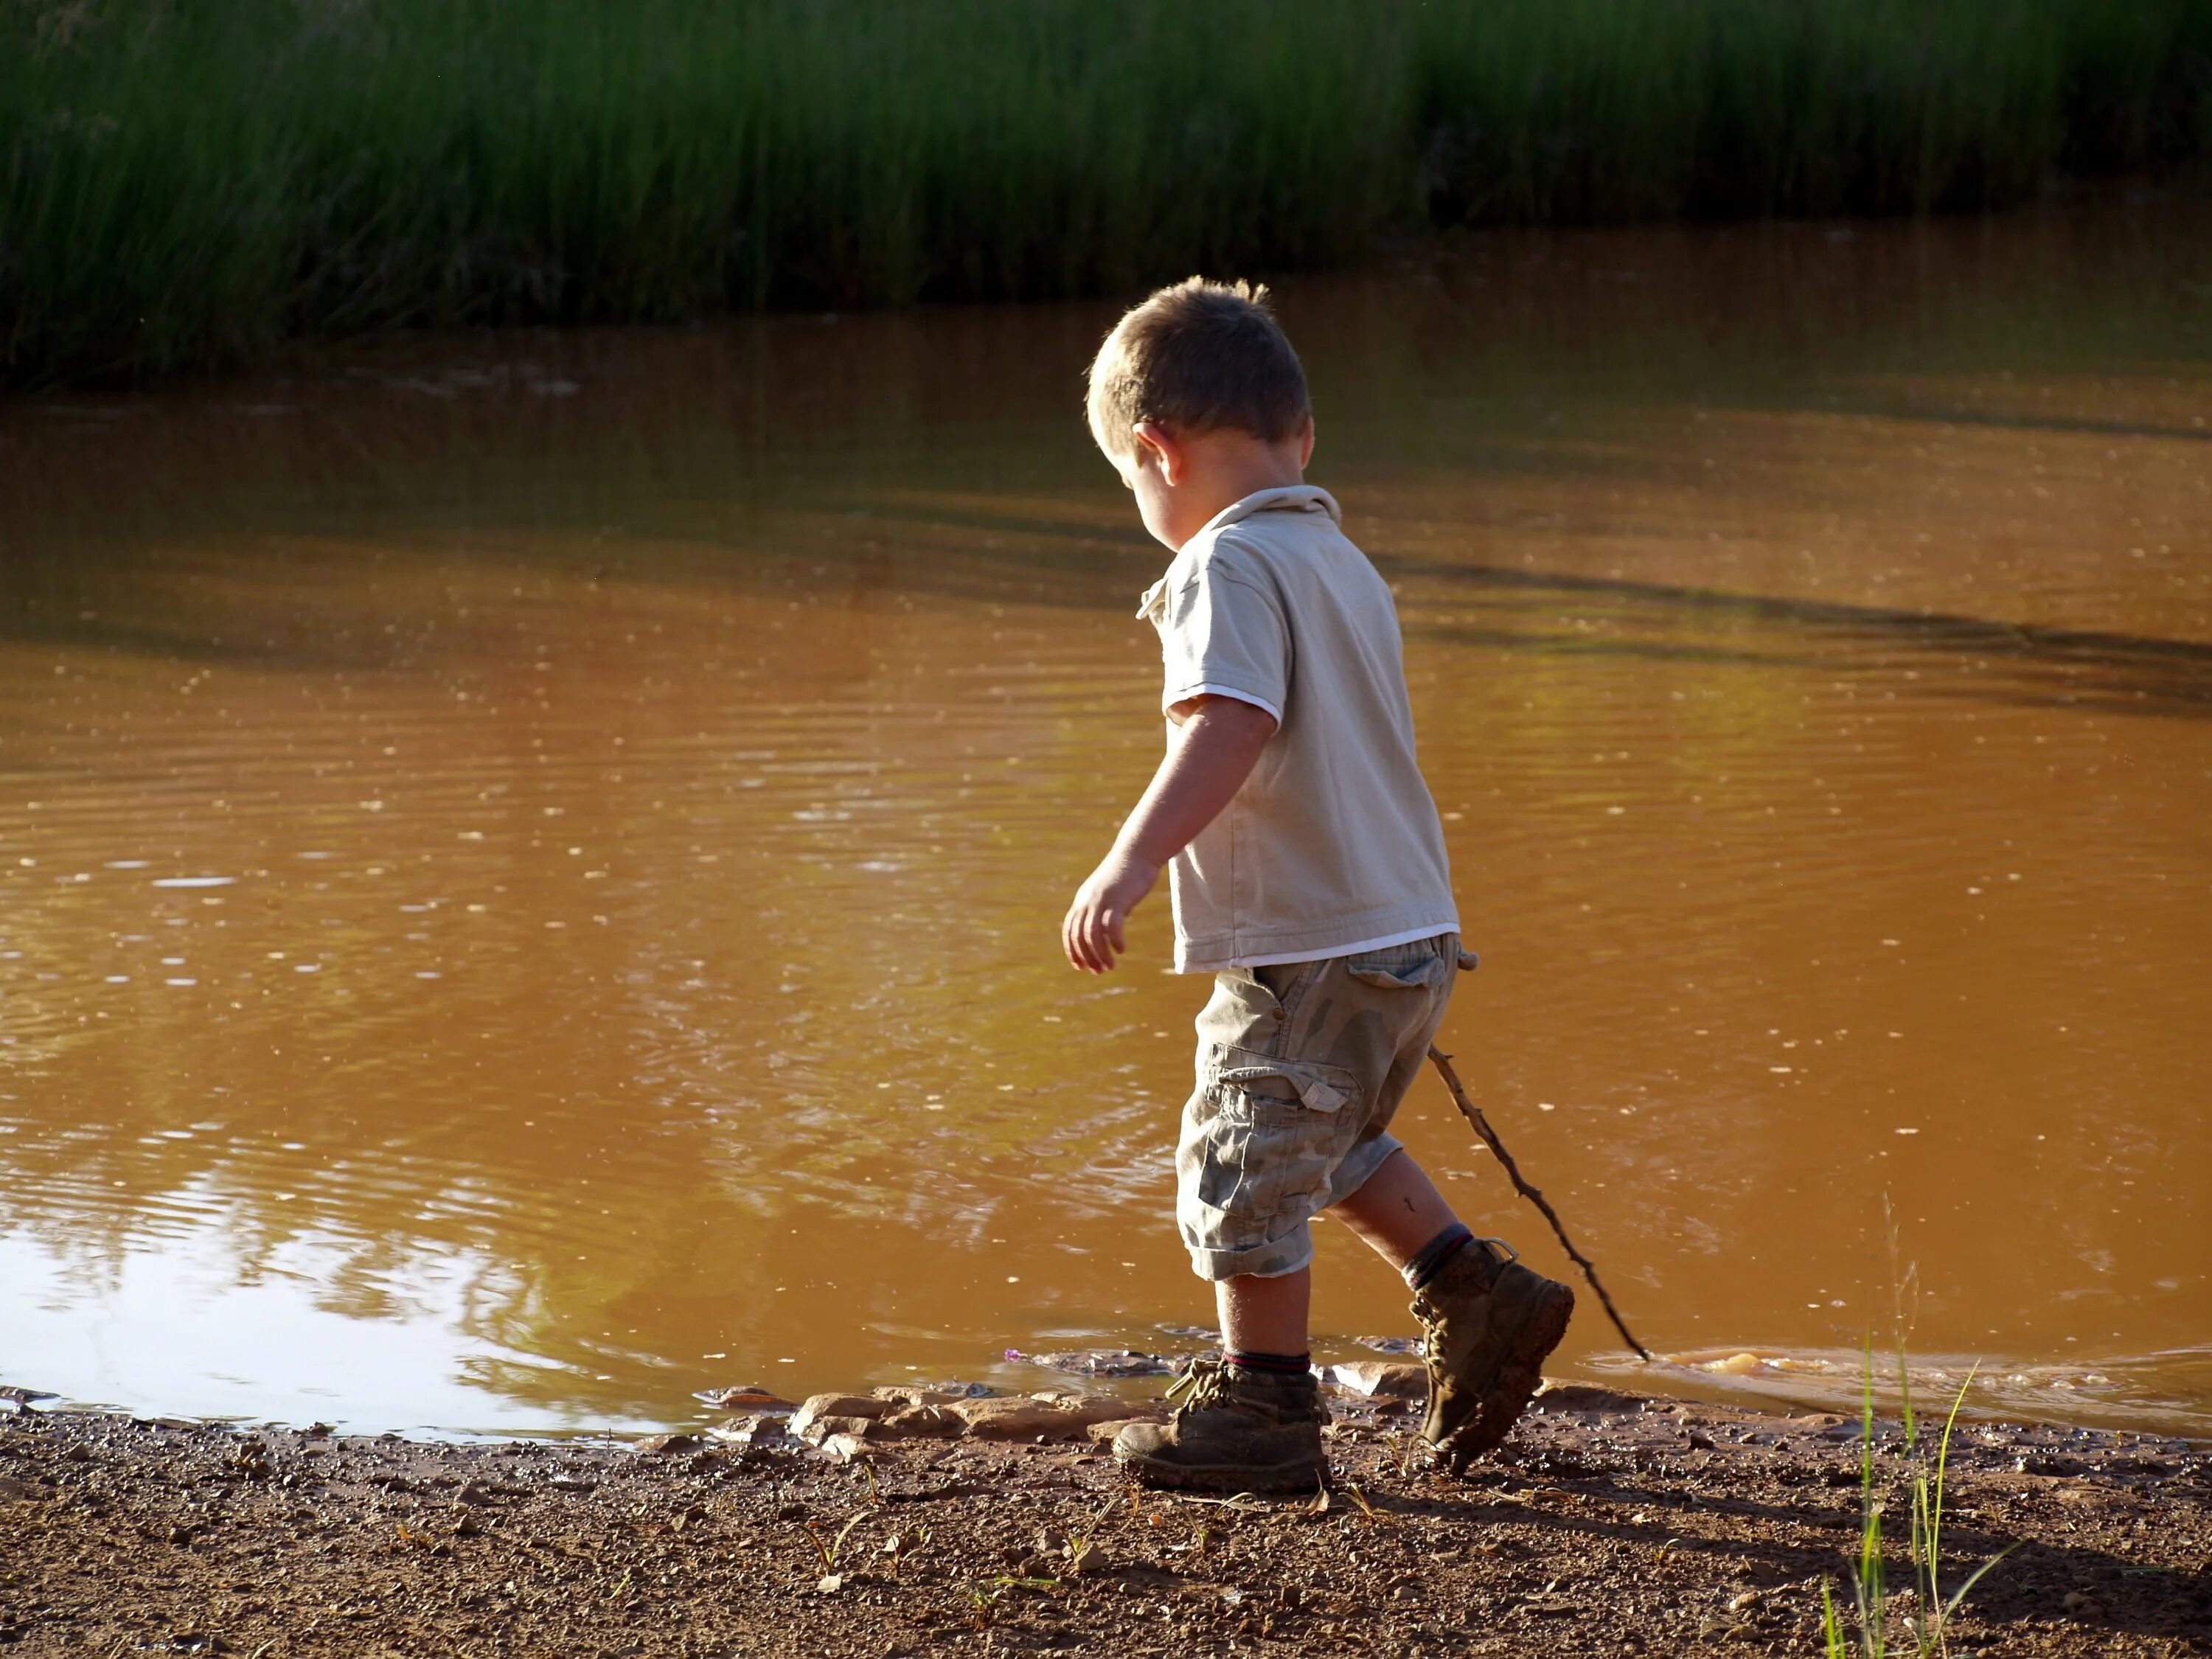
(1608, 1524)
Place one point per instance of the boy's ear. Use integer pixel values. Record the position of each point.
(1167, 448)
(1305, 445)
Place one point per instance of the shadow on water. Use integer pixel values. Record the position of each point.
(1077, 563)
(2124, 673)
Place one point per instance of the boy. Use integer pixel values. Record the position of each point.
(1308, 873)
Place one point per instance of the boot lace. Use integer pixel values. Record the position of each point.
(1202, 1384)
(1432, 1339)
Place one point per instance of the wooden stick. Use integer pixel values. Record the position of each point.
(1472, 1113)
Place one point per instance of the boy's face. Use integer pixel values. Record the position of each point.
(1182, 479)
(1145, 477)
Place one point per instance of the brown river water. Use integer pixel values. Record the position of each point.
(530, 865)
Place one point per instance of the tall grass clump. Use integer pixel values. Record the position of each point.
(1927, 1612)
(184, 182)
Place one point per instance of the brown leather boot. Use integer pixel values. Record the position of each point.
(1232, 1431)
(1488, 1324)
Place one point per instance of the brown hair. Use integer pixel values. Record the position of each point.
(1200, 356)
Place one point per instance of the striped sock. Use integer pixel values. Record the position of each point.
(1268, 1365)
(1429, 1259)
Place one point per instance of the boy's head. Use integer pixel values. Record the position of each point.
(1198, 356)
(1197, 386)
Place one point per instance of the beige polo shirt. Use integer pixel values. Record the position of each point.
(1333, 845)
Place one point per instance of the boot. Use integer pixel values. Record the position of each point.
(1232, 1431)
(1488, 1323)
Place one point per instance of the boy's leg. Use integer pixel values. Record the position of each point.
(1398, 1213)
(1250, 1420)
(1487, 1323)
(1265, 1316)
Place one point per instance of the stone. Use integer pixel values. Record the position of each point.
(749, 1397)
(1032, 1419)
(755, 1431)
(666, 1445)
(835, 1405)
(1102, 1434)
(845, 1447)
(1107, 1362)
(1380, 1379)
(1582, 1397)
(823, 1430)
(921, 1422)
(898, 1395)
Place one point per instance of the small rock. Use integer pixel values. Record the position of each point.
(821, 1429)
(1102, 1434)
(830, 1582)
(665, 1445)
(1740, 1603)
(899, 1395)
(1582, 1397)
(835, 1405)
(1033, 1420)
(1107, 1362)
(17, 1491)
(922, 1422)
(1086, 1558)
(756, 1431)
(845, 1448)
(747, 1397)
(1373, 1379)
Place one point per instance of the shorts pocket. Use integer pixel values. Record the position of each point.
(1310, 1084)
(1258, 1157)
(1400, 968)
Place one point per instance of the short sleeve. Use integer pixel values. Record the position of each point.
(1224, 635)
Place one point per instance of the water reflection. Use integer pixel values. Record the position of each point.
(521, 905)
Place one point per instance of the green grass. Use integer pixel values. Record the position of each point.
(1926, 1612)
(184, 183)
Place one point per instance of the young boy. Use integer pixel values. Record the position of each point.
(1308, 872)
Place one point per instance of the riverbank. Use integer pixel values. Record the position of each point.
(1607, 1525)
(182, 187)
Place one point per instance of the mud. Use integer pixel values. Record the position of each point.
(1607, 1525)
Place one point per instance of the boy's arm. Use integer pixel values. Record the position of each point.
(1209, 756)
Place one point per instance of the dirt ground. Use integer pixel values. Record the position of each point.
(1608, 1524)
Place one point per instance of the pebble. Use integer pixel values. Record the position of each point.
(1379, 1379)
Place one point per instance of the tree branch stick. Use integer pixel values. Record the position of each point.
(1472, 1113)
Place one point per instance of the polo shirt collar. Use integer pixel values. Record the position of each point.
(1285, 498)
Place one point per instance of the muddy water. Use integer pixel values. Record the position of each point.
(529, 867)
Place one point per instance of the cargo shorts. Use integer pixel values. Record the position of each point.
(1300, 1068)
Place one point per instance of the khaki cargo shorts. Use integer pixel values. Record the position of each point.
(1300, 1070)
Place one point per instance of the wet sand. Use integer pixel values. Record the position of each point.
(1608, 1524)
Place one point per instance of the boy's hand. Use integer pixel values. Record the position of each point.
(1091, 933)
(1216, 741)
